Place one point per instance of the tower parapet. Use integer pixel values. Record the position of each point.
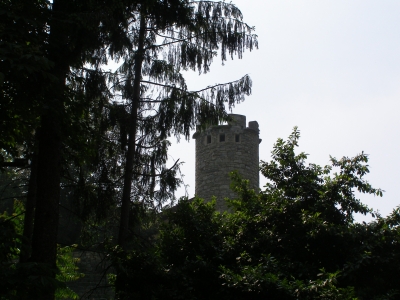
(222, 149)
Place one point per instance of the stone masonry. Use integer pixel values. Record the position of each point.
(222, 149)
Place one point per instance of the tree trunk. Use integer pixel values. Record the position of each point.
(130, 155)
(44, 239)
(30, 209)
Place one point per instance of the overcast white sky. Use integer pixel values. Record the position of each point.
(330, 67)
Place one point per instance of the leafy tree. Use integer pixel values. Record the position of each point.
(296, 239)
(302, 222)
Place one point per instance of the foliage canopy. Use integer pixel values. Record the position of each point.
(296, 239)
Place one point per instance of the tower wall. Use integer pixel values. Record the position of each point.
(222, 149)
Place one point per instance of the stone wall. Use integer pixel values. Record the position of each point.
(222, 149)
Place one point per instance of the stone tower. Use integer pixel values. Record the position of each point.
(222, 149)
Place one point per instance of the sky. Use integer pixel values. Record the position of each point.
(330, 67)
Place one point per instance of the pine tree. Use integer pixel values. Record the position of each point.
(154, 90)
(52, 79)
